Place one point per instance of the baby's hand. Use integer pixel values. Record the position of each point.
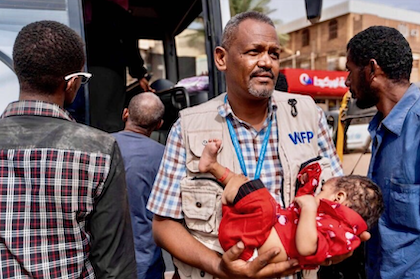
(307, 202)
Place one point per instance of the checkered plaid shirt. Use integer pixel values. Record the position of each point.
(165, 199)
(47, 196)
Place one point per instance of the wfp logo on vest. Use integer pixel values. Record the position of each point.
(301, 137)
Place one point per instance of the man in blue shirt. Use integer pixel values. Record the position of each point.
(379, 60)
(142, 157)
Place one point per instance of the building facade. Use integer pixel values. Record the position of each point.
(322, 46)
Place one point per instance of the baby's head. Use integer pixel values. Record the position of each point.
(356, 192)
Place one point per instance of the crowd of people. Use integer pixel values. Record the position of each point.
(231, 195)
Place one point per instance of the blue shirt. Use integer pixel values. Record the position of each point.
(142, 157)
(393, 251)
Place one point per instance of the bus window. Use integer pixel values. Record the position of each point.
(191, 50)
(152, 53)
(8, 86)
(16, 14)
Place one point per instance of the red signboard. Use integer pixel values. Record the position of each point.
(316, 83)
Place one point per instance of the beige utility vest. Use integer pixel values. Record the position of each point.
(201, 199)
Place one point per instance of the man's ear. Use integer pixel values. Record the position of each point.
(125, 115)
(159, 125)
(70, 90)
(220, 57)
(374, 69)
(340, 197)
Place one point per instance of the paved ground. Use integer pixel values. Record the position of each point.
(356, 161)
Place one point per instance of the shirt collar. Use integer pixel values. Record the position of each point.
(395, 119)
(36, 108)
(225, 109)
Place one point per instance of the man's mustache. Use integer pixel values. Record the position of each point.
(262, 71)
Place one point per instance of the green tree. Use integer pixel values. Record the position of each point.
(239, 6)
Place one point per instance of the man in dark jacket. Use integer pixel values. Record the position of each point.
(63, 200)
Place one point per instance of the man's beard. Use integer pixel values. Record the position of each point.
(263, 92)
(368, 98)
(368, 101)
(260, 93)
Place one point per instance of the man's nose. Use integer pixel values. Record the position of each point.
(265, 61)
(347, 83)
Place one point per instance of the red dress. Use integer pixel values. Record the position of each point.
(251, 218)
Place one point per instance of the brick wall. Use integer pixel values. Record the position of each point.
(326, 50)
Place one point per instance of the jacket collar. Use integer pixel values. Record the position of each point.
(36, 108)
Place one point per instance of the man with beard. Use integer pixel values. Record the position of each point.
(379, 60)
(265, 135)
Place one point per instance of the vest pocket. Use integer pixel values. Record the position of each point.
(196, 142)
(201, 204)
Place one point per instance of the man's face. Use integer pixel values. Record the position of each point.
(359, 85)
(252, 60)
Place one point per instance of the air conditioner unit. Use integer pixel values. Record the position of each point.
(414, 33)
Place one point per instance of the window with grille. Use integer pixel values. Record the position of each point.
(333, 29)
(305, 37)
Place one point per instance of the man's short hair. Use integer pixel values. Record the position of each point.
(44, 52)
(387, 46)
(229, 33)
(146, 110)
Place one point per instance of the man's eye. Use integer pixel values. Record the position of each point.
(275, 55)
(253, 52)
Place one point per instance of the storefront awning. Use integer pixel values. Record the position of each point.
(316, 83)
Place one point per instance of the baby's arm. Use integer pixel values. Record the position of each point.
(306, 232)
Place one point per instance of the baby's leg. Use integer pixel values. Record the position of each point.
(274, 240)
(232, 187)
(208, 159)
(208, 162)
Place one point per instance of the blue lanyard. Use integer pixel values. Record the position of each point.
(235, 142)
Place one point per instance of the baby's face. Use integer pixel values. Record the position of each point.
(328, 191)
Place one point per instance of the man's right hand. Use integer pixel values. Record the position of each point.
(144, 84)
(260, 267)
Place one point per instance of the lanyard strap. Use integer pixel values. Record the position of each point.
(235, 142)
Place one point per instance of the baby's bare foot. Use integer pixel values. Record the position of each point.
(209, 156)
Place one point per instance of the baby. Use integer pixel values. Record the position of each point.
(312, 229)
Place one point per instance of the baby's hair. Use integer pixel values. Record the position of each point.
(363, 196)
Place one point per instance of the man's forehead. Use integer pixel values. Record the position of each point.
(254, 31)
(254, 25)
(349, 59)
